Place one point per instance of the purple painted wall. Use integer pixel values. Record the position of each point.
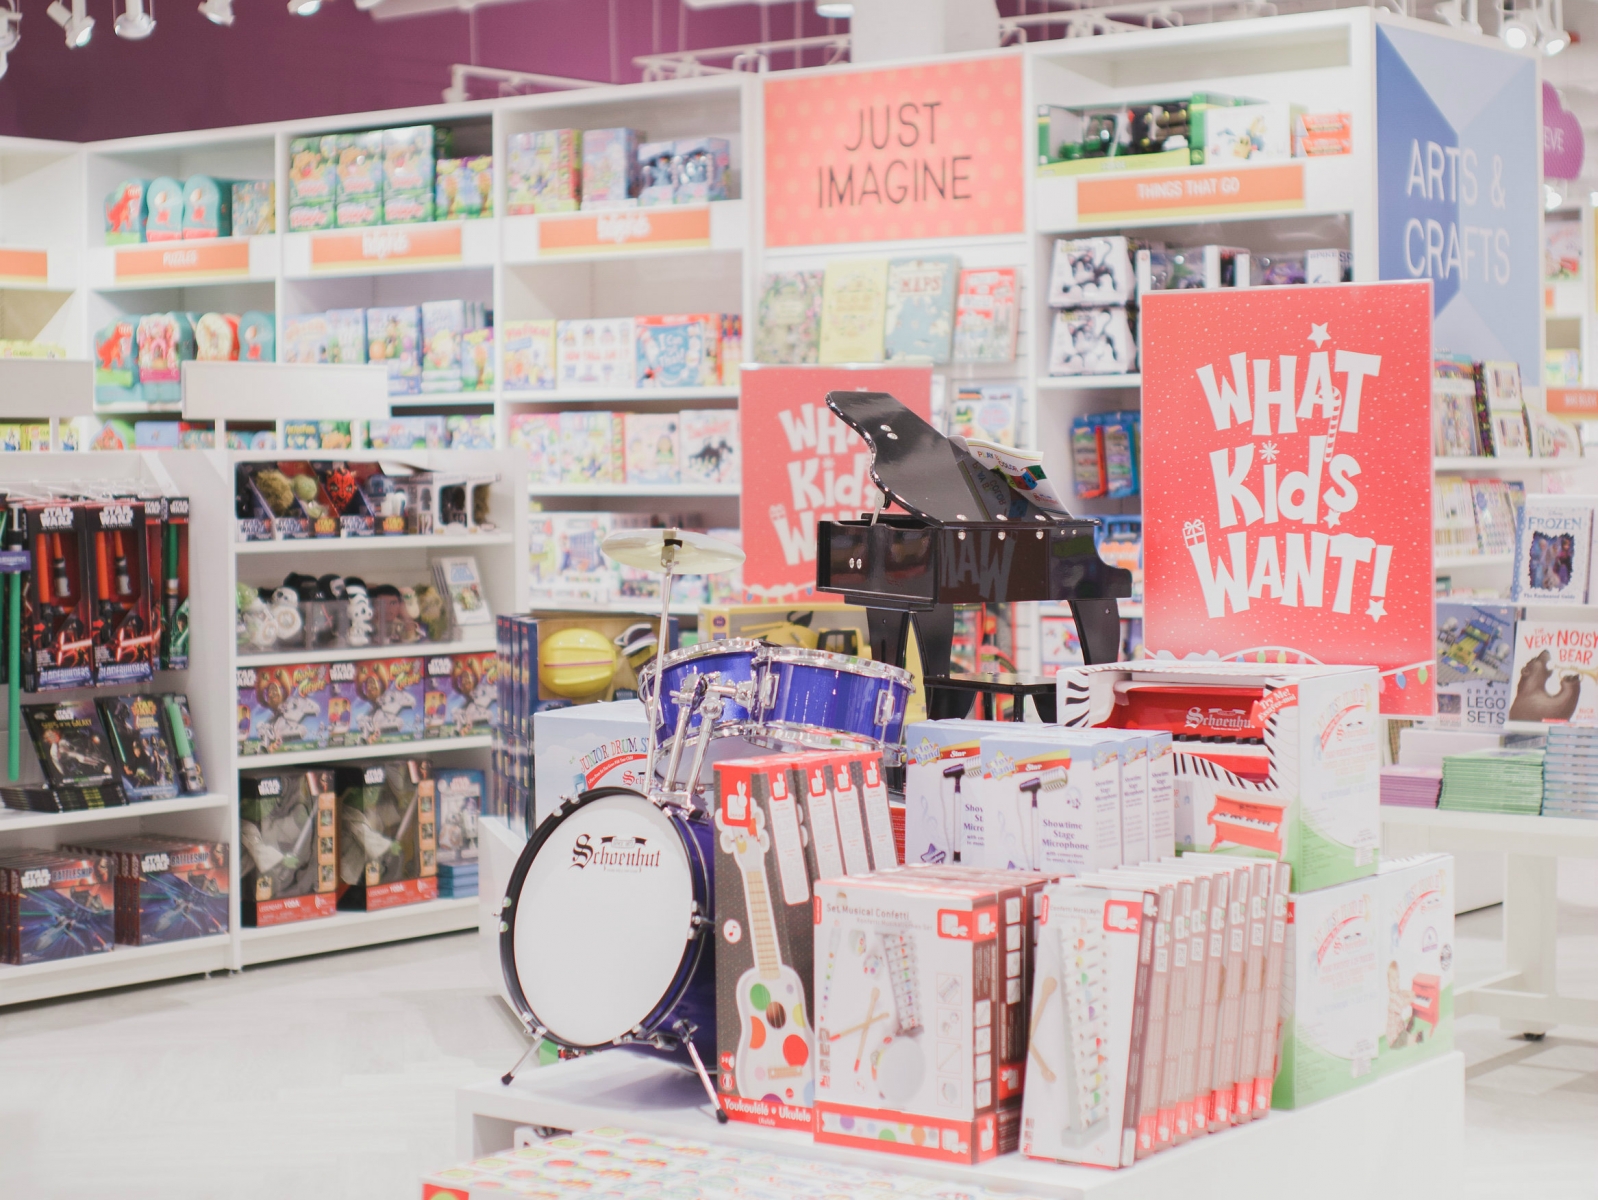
(271, 65)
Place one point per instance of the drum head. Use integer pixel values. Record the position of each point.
(602, 919)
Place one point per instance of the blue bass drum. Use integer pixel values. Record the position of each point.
(604, 931)
(732, 660)
(803, 692)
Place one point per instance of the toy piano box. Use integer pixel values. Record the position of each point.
(910, 983)
(1277, 761)
(1417, 925)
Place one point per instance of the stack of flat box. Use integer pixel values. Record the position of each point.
(457, 879)
(1570, 772)
(1506, 781)
(1411, 787)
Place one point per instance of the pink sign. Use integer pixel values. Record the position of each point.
(907, 152)
(1564, 145)
(1287, 479)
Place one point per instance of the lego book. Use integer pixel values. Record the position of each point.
(854, 301)
(920, 310)
(788, 328)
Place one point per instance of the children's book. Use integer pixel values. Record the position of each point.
(651, 454)
(1553, 677)
(1506, 409)
(1454, 433)
(710, 445)
(990, 411)
(1453, 518)
(590, 448)
(1495, 515)
(1552, 550)
(854, 303)
(529, 355)
(458, 579)
(677, 351)
(920, 313)
(788, 325)
(596, 353)
(985, 316)
(1552, 437)
(1475, 649)
(538, 434)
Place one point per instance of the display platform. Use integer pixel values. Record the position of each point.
(1397, 1136)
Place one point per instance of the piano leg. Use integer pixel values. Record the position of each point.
(1098, 625)
(935, 636)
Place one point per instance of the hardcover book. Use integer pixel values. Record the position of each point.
(920, 312)
(788, 327)
(985, 316)
(1506, 409)
(1475, 649)
(1453, 518)
(652, 446)
(1495, 515)
(590, 448)
(677, 351)
(145, 765)
(710, 445)
(1454, 433)
(596, 353)
(1552, 550)
(853, 310)
(990, 411)
(538, 434)
(1552, 673)
(458, 579)
(529, 355)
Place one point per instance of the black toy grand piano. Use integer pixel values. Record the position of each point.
(965, 537)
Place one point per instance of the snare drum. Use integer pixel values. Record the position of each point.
(807, 690)
(732, 659)
(603, 933)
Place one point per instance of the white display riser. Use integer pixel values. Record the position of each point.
(1397, 1136)
(1525, 995)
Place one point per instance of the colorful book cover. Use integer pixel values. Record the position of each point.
(529, 355)
(677, 351)
(788, 327)
(538, 436)
(545, 171)
(305, 338)
(1495, 515)
(854, 302)
(610, 167)
(652, 447)
(985, 316)
(919, 325)
(1553, 678)
(710, 445)
(1453, 518)
(1552, 550)
(990, 411)
(596, 354)
(1454, 432)
(590, 448)
(146, 767)
(1475, 650)
(394, 338)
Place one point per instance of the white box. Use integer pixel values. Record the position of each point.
(1091, 271)
(1050, 798)
(942, 772)
(1417, 925)
(587, 746)
(1136, 845)
(1315, 805)
(1248, 133)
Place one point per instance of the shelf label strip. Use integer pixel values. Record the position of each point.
(24, 266)
(1191, 193)
(396, 246)
(624, 230)
(183, 260)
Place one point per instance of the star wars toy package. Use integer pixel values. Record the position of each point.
(57, 618)
(283, 708)
(124, 629)
(287, 828)
(378, 701)
(460, 804)
(54, 905)
(180, 734)
(146, 766)
(387, 834)
(75, 755)
(167, 889)
(910, 984)
(460, 697)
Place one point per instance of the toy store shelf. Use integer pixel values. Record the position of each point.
(638, 608)
(12, 820)
(39, 388)
(1248, 191)
(472, 645)
(1084, 383)
(431, 541)
(350, 930)
(1502, 833)
(636, 489)
(36, 269)
(391, 249)
(1509, 464)
(635, 1092)
(609, 395)
(656, 232)
(119, 967)
(1460, 561)
(300, 758)
(136, 408)
(443, 399)
(194, 263)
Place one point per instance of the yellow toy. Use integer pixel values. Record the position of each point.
(576, 664)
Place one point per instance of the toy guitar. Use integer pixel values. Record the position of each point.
(774, 1038)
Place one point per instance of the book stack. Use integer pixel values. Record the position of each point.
(1504, 780)
(456, 880)
(1570, 772)
(1411, 787)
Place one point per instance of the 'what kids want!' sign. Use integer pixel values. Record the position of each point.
(1287, 479)
(909, 152)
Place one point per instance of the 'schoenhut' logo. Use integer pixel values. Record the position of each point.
(614, 852)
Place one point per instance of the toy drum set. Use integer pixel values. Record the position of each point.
(604, 927)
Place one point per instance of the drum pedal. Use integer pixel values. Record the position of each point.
(537, 1034)
(685, 1030)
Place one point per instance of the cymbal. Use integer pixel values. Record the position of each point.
(695, 553)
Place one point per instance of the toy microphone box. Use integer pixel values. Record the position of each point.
(910, 990)
(288, 834)
(282, 708)
(387, 834)
(1050, 800)
(765, 1012)
(1275, 761)
(944, 762)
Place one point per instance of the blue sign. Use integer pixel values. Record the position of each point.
(1459, 190)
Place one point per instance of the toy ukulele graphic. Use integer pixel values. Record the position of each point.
(774, 1039)
(882, 1045)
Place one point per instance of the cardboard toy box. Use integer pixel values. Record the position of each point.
(944, 760)
(377, 701)
(167, 889)
(55, 905)
(387, 834)
(587, 746)
(910, 994)
(287, 829)
(840, 628)
(461, 697)
(1288, 766)
(1417, 931)
(282, 708)
(1050, 798)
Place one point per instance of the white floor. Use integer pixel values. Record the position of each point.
(334, 1078)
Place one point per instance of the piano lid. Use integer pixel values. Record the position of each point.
(933, 477)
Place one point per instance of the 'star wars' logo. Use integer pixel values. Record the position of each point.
(615, 852)
(56, 518)
(341, 672)
(155, 862)
(36, 879)
(270, 787)
(116, 516)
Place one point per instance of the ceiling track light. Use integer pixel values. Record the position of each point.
(133, 23)
(218, 12)
(74, 21)
(835, 10)
(10, 32)
(1551, 26)
(305, 8)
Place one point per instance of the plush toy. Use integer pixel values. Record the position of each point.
(432, 612)
(276, 490)
(256, 629)
(358, 605)
(286, 614)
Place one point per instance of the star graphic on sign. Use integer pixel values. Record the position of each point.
(1334, 518)
(1268, 452)
(1375, 610)
(1317, 334)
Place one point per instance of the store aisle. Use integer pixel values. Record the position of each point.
(334, 1078)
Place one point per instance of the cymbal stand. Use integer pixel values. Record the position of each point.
(668, 564)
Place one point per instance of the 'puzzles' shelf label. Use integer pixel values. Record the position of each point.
(395, 246)
(624, 230)
(24, 266)
(183, 260)
(1190, 193)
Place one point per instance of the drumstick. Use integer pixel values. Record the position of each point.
(843, 1033)
(1049, 984)
(865, 1028)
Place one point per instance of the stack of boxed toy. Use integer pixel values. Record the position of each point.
(562, 170)
(441, 346)
(164, 210)
(384, 177)
(695, 446)
(138, 359)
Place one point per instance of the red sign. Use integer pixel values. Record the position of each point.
(1573, 402)
(184, 261)
(397, 246)
(1187, 193)
(907, 152)
(625, 230)
(803, 465)
(24, 266)
(1287, 479)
